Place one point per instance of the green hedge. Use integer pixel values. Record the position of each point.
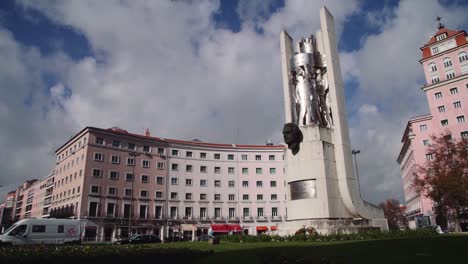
(316, 237)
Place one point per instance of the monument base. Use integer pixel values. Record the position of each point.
(333, 226)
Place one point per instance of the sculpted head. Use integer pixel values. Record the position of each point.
(292, 137)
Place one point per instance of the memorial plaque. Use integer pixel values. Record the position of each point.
(303, 189)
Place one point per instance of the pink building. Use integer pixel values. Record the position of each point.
(120, 183)
(445, 64)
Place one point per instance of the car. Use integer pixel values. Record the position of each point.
(436, 228)
(203, 237)
(139, 239)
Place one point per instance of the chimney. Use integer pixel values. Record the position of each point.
(147, 132)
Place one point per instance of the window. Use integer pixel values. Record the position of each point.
(173, 195)
(143, 211)
(231, 197)
(258, 171)
(274, 197)
(129, 177)
(245, 197)
(432, 67)
(175, 153)
(94, 189)
(112, 191)
(158, 212)
(175, 167)
(271, 157)
(259, 197)
(230, 156)
(217, 197)
(245, 184)
(259, 184)
(128, 192)
(447, 62)
(444, 122)
(457, 104)
(188, 212)
(272, 170)
(245, 170)
(127, 210)
(203, 212)
(130, 162)
(245, 212)
(231, 184)
(274, 211)
(110, 210)
(272, 183)
(97, 173)
(260, 212)
(217, 156)
(143, 193)
(202, 196)
(217, 170)
(429, 156)
(244, 157)
(145, 163)
(159, 195)
(160, 151)
(462, 56)
(203, 169)
(115, 159)
(217, 183)
(217, 213)
(188, 168)
(441, 36)
(435, 79)
(188, 182)
(188, 154)
(232, 212)
(173, 212)
(38, 228)
(426, 142)
(114, 175)
(423, 128)
(116, 144)
(438, 95)
(454, 90)
(100, 140)
(60, 229)
(131, 146)
(160, 165)
(159, 180)
(441, 109)
(98, 156)
(450, 75)
(258, 157)
(174, 181)
(203, 183)
(146, 149)
(144, 178)
(231, 170)
(464, 134)
(188, 196)
(435, 50)
(202, 155)
(461, 119)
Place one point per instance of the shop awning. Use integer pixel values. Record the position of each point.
(273, 228)
(220, 228)
(262, 228)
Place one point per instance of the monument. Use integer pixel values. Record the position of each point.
(322, 191)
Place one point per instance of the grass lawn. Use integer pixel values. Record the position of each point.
(444, 249)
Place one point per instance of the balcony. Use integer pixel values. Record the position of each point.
(233, 219)
(276, 218)
(247, 218)
(261, 219)
(219, 219)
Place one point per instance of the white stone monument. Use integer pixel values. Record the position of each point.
(322, 190)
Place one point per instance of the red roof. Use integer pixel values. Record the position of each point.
(450, 33)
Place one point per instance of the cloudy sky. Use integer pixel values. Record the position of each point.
(203, 69)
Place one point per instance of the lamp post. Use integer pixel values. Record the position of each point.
(134, 155)
(354, 152)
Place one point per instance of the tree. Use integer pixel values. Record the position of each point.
(395, 214)
(444, 178)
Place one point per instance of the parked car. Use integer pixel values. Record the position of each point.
(42, 231)
(203, 237)
(436, 228)
(139, 239)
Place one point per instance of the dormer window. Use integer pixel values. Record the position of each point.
(441, 36)
(435, 50)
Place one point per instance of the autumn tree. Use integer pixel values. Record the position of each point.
(395, 214)
(444, 177)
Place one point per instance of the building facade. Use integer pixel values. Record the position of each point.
(121, 183)
(445, 64)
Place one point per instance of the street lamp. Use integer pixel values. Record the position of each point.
(134, 155)
(355, 152)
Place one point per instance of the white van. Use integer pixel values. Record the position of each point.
(42, 231)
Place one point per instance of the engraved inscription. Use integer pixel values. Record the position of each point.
(303, 189)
